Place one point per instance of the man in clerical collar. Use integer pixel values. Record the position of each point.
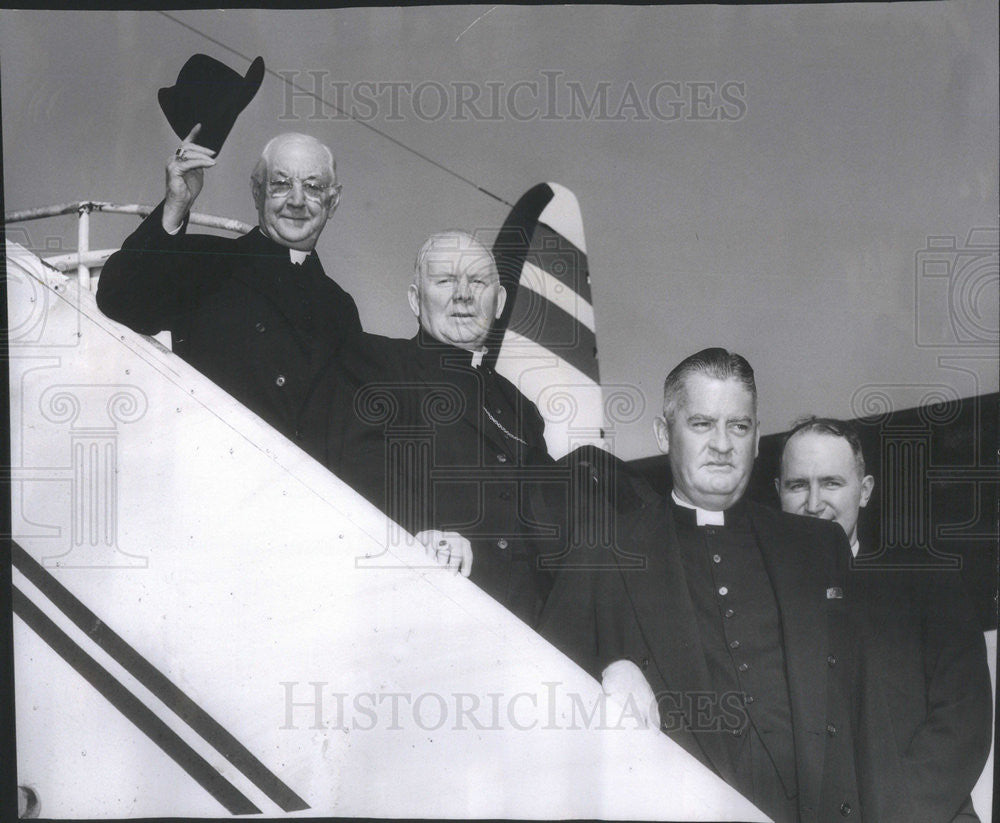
(257, 314)
(432, 435)
(456, 293)
(725, 623)
(709, 430)
(926, 647)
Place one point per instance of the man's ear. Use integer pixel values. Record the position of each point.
(867, 486)
(662, 434)
(777, 485)
(756, 441)
(329, 208)
(501, 302)
(413, 298)
(257, 190)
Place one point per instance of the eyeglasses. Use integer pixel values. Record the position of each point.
(282, 187)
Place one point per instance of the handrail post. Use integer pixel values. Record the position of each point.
(83, 259)
(83, 245)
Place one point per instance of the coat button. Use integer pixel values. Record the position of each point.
(845, 808)
(502, 543)
(716, 558)
(831, 660)
(723, 591)
(748, 699)
(728, 613)
(280, 380)
(831, 730)
(501, 458)
(743, 667)
(644, 663)
(260, 327)
(735, 644)
(737, 732)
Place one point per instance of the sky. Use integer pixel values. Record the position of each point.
(812, 186)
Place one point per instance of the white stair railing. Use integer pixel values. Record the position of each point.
(84, 260)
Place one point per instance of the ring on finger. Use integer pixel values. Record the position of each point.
(180, 154)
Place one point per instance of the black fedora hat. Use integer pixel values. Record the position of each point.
(210, 93)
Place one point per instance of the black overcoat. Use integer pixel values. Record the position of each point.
(237, 310)
(438, 443)
(631, 601)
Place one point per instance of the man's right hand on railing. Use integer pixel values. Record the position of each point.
(624, 681)
(448, 549)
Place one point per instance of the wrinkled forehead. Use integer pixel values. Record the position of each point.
(301, 158)
(457, 255)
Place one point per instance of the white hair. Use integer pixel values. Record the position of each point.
(451, 239)
(260, 169)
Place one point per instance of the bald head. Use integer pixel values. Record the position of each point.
(293, 139)
(447, 245)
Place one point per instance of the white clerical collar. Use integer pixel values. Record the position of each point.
(703, 517)
(855, 547)
(297, 256)
(477, 357)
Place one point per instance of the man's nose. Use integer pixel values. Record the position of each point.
(297, 196)
(814, 501)
(463, 293)
(721, 440)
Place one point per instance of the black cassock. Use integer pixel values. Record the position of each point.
(238, 310)
(438, 442)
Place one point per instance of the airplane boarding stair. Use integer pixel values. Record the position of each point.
(208, 622)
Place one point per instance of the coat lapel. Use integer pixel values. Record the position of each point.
(258, 263)
(665, 615)
(263, 264)
(800, 587)
(450, 365)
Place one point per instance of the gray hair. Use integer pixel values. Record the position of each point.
(715, 362)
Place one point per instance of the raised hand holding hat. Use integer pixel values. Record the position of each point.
(212, 94)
